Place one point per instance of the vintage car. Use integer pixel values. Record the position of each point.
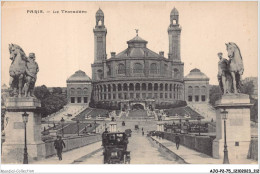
(115, 148)
(136, 127)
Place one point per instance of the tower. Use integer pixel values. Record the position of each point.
(100, 33)
(174, 32)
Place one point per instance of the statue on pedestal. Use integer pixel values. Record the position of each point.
(230, 71)
(31, 75)
(22, 72)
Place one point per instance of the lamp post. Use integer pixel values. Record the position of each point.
(199, 120)
(62, 123)
(25, 120)
(224, 114)
(78, 126)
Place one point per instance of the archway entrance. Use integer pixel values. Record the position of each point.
(138, 106)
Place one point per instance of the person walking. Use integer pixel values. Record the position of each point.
(59, 144)
(177, 141)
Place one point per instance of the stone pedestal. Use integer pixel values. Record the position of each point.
(238, 133)
(13, 147)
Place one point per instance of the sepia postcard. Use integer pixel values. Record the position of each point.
(123, 83)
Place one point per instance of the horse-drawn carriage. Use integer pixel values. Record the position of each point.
(115, 148)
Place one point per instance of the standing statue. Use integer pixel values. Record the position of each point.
(32, 69)
(17, 69)
(23, 72)
(230, 71)
(222, 72)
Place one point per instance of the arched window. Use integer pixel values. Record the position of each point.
(161, 87)
(119, 87)
(100, 74)
(79, 91)
(166, 87)
(114, 87)
(125, 87)
(190, 91)
(99, 23)
(105, 88)
(121, 68)
(138, 68)
(153, 68)
(72, 91)
(156, 86)
(131, 86)
(143, 86)
(176, 73)
(150, 87)
(85, 91)
(137, 87)
(101, 89)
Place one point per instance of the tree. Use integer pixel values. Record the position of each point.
(214, 94)
(41, 92)
(248, 88)
(51, 102)
(57, 90)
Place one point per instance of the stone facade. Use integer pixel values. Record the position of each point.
(196, 87)
(79, 88)
(137, 74)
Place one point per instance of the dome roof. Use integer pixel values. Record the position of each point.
(174, 12)
(79, 76)
(137, 49)
(136, 39)
(99, 12)
(196, 74)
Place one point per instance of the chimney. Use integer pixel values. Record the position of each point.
(161, 53)
(113, 54)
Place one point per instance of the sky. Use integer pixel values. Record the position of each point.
(64, 43)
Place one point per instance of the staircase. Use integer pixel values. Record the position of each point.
(137, 114)
(204, 109)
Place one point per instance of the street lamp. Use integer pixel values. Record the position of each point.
(62, 123)
(224, 115)
(78, 126)
(25, 120)
(199, 121)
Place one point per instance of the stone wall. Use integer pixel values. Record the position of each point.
(201, 144)
(253, 149)
(71, 143)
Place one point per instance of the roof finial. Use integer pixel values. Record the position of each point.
(136, 30)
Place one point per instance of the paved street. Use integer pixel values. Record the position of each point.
(141, 149)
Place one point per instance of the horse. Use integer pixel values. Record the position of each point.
(236, 66)
(17, 69)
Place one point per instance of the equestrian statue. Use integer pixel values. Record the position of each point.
(23, 72)
(230, 71)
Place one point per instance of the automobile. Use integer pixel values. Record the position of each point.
(115, 148)
(136, 127)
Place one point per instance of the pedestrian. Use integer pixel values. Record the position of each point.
(177, 141)
(59, 144)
